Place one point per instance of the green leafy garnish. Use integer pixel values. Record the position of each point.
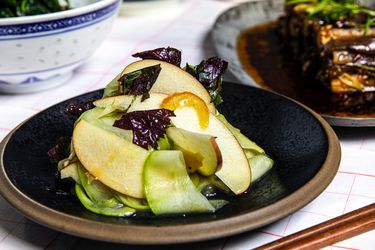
(335, 10)
(351, 81)
(369, 23)
(15, 8)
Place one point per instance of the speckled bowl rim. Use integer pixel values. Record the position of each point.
(135, 234)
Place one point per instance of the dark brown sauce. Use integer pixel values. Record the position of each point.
(262, 54)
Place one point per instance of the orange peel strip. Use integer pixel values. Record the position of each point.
(187, 99)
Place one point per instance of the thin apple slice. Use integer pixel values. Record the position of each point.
(200, 151)
(116, 162)
(130, 101)
(235, 170)
(70, 171)
(173, 79)
(95, 116)
(168, 187)
(115, 103)
(245, 142)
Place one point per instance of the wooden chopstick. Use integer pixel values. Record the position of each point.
(328, 232)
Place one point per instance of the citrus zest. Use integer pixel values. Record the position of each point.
(187, 99)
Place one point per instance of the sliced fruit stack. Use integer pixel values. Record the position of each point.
(155, 142)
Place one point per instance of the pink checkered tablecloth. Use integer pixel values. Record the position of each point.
(187, 28)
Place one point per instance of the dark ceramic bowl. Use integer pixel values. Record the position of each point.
(303, 145)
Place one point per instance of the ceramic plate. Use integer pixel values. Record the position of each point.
(303, 145)
(233, 22)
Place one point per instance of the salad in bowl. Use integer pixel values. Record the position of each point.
(155, 142)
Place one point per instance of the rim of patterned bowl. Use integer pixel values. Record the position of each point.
(57, 15)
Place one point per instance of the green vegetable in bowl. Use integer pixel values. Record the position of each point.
(17, 8)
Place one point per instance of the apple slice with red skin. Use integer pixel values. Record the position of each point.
(201, 152)
(235, 169)
(172, 79)
(115, 161)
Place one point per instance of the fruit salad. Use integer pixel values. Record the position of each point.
(156, 142)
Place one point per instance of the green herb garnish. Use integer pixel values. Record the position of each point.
(335, 10)
(369, 23)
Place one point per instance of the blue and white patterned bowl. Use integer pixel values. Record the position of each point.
(41, 51)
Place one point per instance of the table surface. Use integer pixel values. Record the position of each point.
(186, 27)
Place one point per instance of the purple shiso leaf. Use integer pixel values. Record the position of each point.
(77, 109)
(139, 82)
(147, 126)
(209, 73)
(59, 151)
(170, 55)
